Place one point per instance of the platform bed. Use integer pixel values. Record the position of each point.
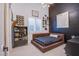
(50, 46)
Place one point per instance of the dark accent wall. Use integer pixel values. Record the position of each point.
(73, 9)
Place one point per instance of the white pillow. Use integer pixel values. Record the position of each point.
(53, 35)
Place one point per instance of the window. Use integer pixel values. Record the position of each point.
(62, 20)
(35, 24)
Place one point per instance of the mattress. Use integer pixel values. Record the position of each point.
(46, 40)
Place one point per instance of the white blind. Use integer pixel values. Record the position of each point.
(62, 20)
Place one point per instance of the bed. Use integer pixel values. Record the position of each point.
(45, 43)
(47, 40)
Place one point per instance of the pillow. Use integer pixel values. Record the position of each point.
(53, 35)
(73, 36)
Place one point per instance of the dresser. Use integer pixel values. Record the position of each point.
(72, 47)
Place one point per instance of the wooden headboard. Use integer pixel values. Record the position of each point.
(39, 35)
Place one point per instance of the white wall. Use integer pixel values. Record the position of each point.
(1, 27)
(25, 9)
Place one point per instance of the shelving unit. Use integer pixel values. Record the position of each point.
(19, 36)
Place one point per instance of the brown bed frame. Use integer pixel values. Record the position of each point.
(49, 47)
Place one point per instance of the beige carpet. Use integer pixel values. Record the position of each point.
(1, 53)
(30, 50)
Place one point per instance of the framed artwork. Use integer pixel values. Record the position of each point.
(35, 13)
(20, 20)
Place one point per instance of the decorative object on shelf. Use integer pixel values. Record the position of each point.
(35, 13)
(45, 22)
(20, 20)
(14, 23)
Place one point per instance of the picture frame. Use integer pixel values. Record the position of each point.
(35, 13)
(20, 20)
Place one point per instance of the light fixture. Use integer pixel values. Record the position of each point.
(46, 5)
